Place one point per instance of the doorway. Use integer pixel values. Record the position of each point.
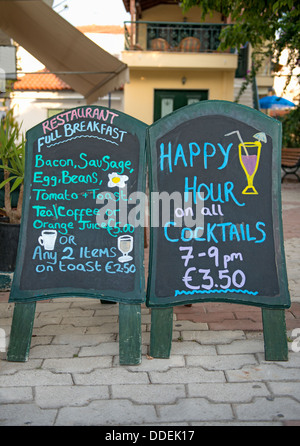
(167, 101)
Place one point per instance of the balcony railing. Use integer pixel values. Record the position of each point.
(170, 36)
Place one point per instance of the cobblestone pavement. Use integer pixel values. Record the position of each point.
(216, 375)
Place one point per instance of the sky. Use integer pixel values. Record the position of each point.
(83, 12)
(92, 12)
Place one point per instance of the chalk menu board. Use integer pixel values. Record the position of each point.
(80, 231)
(220, 238)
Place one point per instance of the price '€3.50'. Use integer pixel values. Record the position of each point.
(196, 279)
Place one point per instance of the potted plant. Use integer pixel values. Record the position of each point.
(12, 167)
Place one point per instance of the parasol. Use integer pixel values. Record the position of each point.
(275, 102)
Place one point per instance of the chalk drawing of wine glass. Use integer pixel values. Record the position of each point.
(125, 245)
(249, 156)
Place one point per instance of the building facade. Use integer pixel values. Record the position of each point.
(174, 60)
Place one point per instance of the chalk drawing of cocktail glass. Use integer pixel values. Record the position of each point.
(249, 156)
(125, 245)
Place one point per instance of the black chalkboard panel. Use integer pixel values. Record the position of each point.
(79, 237)
(220, 238)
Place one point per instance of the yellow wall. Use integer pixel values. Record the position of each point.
(173, 13)
(150, 70)
(139, 93)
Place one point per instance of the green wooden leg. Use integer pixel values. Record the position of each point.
(21, 331)
(161, 332)
(276, 347)
(130, 334)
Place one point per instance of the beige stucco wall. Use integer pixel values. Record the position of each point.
(139, 93)
(173, 13)
(150, 70)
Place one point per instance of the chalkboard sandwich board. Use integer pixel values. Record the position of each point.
(216, 228)
(85, 169)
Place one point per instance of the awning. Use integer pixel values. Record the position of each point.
(63, 49)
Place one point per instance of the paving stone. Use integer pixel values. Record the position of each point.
(146, 318)
(195, 308)
(281, 408)
(48, 397)
(6, 310)
(188, 325)
(35, 378)
(66, 312)
(15, 395)
(53, 351)
(46, 319)
(107, 412)
(227, 392)
(221, 307)
(83, 340)
(240, 324)
(286, 388)
(77, 365)
(111, 310)
(220, 362)
(188, 375)
(295, 308)
(25, 415)
(10, 368)
(263, 372)
(206, 317)
(211, 337)
(41, 340)
(149, 364)
(291, 324)
(88, 321)
(241, 347)
(5, 322)
(192, 348)
(105, 348)
(52, 306)
(255, 335)
(195, 409)
(293, 360)
(146, 394)
(107, 327)
(111, 376)
(55, 330)
(106, 309)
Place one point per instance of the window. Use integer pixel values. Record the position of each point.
(167, 101)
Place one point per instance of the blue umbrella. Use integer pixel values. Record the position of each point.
(275, 102)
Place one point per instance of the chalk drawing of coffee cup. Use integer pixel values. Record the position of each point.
(48, 239)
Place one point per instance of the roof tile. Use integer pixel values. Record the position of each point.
(41, 81)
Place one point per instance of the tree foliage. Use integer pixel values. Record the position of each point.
(256, 21)
(269, 26)
(291, 128)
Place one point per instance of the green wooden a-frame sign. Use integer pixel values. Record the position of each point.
(222, 241)
(218, 164)
(82, 166)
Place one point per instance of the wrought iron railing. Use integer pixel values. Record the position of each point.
(172, 36)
